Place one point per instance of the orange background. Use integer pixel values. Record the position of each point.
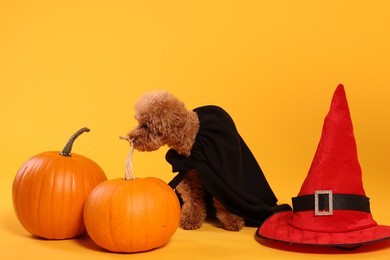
(273, 65)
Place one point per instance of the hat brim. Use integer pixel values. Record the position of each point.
(277, 228)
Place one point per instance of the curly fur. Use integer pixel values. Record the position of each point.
(164, 120)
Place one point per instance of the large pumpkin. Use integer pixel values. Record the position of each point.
(131, 214)
(50, 189)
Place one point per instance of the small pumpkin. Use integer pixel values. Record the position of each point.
(49, 191)
(131, 214)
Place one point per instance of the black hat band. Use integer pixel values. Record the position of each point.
(323, 202)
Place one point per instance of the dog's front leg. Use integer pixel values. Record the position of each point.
(193, 212)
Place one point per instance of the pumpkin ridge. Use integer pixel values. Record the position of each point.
(148, 211)
(38, 201)
(109, 217)
(18, 194)
(57, 189)
(71, 186)
(48, 220)
(168, 207)
(30, 205)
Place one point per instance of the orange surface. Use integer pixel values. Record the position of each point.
(273, 65)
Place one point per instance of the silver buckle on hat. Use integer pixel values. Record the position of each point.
(317, 211)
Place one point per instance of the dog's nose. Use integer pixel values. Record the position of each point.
(131, 136)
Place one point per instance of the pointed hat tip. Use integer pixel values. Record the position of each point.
(340, 88)
(339, 100)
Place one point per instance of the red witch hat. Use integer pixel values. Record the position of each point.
(331, 207)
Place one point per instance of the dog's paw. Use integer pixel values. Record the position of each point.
(190, 224)
(231, 222)
(192, 215)
(234, 226)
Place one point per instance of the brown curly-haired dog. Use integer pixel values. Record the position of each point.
(164, 120)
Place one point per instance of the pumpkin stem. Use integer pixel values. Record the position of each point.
(68, 147)
(129, 175)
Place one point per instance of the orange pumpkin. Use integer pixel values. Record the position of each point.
(50, 189)
(131, 214)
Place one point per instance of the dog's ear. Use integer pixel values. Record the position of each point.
(178, 113)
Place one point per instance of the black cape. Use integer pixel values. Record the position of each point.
(227, 168)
